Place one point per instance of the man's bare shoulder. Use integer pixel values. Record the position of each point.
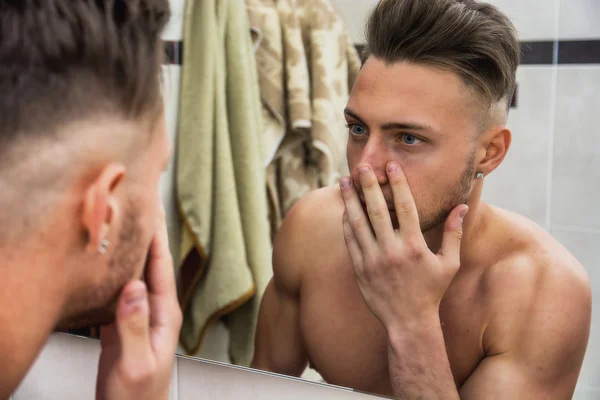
(311, 228)
(535, 281)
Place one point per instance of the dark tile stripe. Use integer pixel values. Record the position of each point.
(533, 52)
(579, 52)
(173, 52)
(537, 53)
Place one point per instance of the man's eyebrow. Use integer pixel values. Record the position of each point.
(389, 125)
(352, 114)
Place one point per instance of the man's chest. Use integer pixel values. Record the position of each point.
(347, 345)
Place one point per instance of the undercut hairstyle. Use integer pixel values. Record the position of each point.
(472, 39)
(64, 60)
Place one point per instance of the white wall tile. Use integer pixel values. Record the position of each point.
(586, 393)
(579, 19)
(589, 378)
(211, 381)
(174, 29)
(576, 171)
(66, 369)
(525, 168)
(355, 14)
(534, 19)
(585, 246)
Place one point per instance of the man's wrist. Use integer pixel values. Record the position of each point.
(408, 328)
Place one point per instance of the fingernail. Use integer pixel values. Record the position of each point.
(463, 213)
(345, 182)
(392, 167)
(363, 170)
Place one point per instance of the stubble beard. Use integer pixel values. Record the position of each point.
(458, 195)
(97, 305)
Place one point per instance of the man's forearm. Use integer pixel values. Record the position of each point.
(418, 363)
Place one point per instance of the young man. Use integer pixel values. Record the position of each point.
(82, 147)
(384, 284)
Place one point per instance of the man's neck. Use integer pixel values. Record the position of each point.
(31, 301)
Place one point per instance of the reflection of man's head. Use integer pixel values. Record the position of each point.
(433, 95)
(82, 143)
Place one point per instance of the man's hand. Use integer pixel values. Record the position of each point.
(138, 351)
(401, 280)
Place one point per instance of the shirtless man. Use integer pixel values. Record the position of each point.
(381, 284)
(82, 147)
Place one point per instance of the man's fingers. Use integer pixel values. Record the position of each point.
(377, 208)
(165, 312)
(133, 324)
(357, 219)
(404, 203)
(351, 243)
(453, 230)
(160, 274)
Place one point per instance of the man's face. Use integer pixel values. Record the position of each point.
(423, 118)
(126, 257)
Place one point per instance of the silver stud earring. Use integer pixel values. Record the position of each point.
(480, 175)
(103, 246)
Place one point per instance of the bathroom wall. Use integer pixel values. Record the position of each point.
(552, 172)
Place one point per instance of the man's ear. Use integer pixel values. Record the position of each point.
(496, 142)
(100, 206)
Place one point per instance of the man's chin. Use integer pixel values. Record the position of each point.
(98, 317)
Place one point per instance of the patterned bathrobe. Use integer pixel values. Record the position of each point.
(306, 64)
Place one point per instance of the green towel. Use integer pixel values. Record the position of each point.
(226, 249)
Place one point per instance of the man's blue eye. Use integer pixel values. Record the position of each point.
(410, 139)
(357, 129)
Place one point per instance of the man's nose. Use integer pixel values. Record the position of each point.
(377, 158)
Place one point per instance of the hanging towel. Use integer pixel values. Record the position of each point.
(225, 260)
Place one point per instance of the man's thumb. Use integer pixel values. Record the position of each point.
(453, 230)
(133, 323)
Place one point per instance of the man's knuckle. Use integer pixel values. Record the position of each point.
(357, 224)
(369, 183)
(404, 207)
(138, 375)
(392, 257)
(378, 214)
(458, 234)
(349, 237)
(414, 249)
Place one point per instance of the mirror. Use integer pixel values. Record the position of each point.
(314, 321)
